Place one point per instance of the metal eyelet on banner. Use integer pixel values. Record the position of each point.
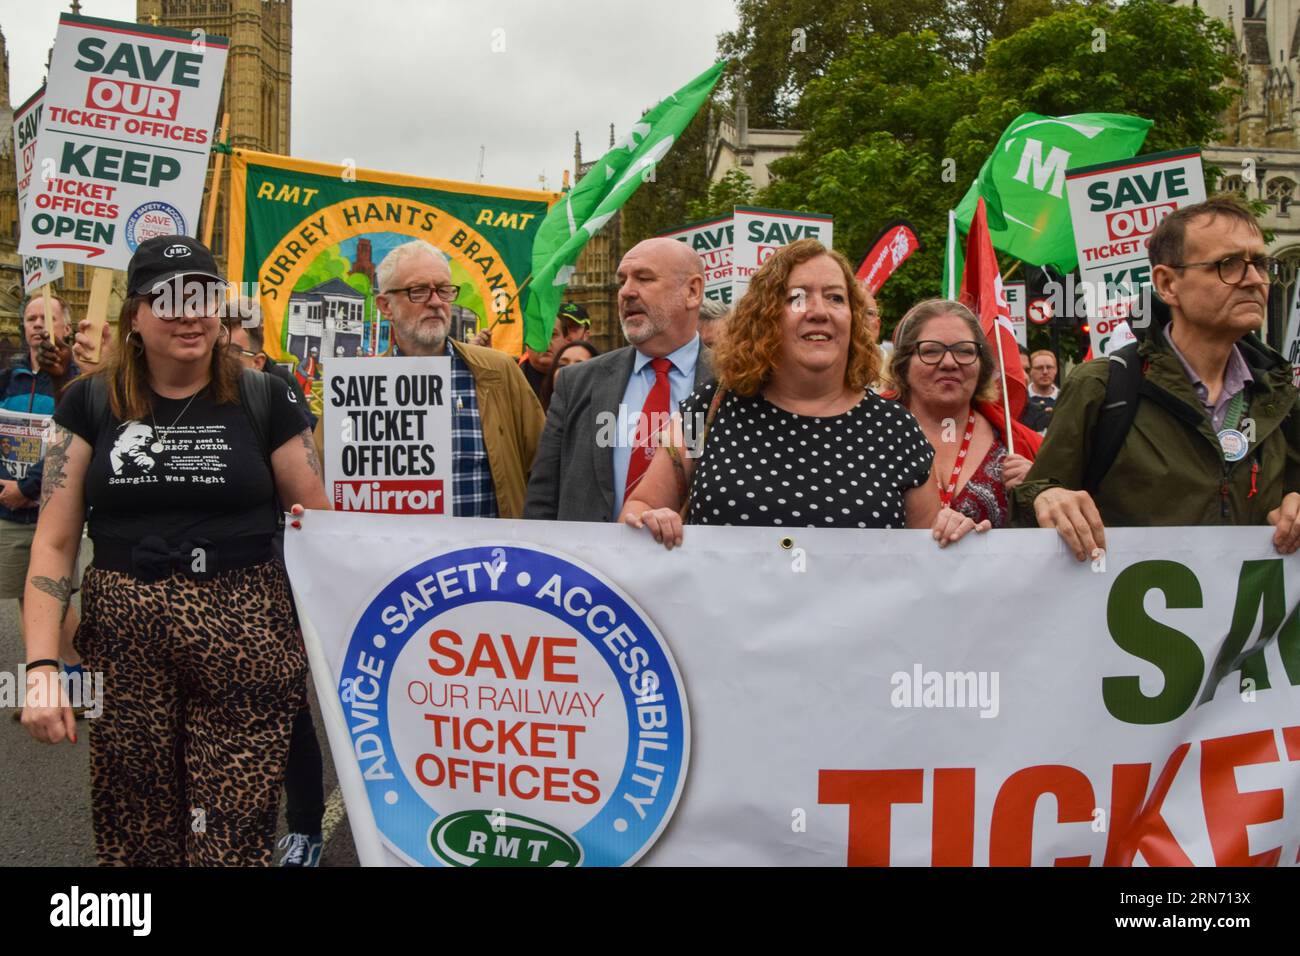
(787, 543)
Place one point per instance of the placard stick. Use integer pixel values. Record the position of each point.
(49, 302)
(210, 219)
(101, 284)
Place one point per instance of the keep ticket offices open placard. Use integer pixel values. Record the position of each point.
(125, 133)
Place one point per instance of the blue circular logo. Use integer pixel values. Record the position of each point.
(151, 220)
(510, 707)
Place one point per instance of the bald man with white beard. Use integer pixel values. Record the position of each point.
(587, 453)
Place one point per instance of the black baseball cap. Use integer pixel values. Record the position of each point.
(572, 312)
(163, 258)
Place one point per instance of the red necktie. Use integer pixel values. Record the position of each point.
(654, 418)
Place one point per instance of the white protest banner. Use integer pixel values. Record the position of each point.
(760, 232)
(22, 442)
(37, 270)
(543, 693)
(122, 150)
(1016, 301)
(387, 434)
(1115, 208)
(712, 240)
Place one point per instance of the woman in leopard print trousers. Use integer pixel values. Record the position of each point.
(180, 458)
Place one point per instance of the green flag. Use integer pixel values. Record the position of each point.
(1023, 180)
(581, 213)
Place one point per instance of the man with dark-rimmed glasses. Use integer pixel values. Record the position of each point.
(1195, 425)
(496, 420)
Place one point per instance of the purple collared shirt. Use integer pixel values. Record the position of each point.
(1236, 376)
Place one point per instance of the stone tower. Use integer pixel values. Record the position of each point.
(256, 93)
(11, 274)
(1259, 150)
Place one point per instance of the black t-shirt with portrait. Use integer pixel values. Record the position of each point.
(210, 480)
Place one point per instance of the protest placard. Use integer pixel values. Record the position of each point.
(1116, 207)
(388, 435)
(124, 138)
(713, 240)
(760, 232)
(22, 442)
(37, 270)
(1016, 302)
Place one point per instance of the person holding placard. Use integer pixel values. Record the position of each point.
(179, 454)
(496, 418)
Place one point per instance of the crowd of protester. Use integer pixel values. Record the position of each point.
(783, 410)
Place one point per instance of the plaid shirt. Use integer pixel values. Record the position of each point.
(473, 493)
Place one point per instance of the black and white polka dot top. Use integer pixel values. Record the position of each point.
(765, 466)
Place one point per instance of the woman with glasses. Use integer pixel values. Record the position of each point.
(790, 435)
(178, 455)
(945, 373)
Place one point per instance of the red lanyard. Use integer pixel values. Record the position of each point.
(945, 494)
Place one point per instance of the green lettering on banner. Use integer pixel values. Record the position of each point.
(1261, 586)
(1134, 631)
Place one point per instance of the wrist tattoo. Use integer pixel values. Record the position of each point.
(60, 590)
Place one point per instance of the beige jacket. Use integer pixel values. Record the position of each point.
(512, 421)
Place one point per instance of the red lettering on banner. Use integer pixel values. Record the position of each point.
(870, 794)
(138, 99)
(1011, 836)
(1136, 824)
(1228, 811)
(1141, 221)
(485, 656)
(952, 841)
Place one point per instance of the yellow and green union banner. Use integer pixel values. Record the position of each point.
(311, 236)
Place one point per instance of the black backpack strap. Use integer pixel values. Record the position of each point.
(255, 395)
(1118, 409)
(96, 399)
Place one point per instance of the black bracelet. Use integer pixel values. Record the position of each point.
(43, 662)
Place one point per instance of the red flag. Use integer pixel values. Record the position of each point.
(895, 243)
(982, 293)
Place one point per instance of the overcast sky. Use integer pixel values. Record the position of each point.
(414, 86)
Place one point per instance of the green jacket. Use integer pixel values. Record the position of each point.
(1168, 473)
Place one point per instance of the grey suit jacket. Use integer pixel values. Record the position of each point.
(573, 477)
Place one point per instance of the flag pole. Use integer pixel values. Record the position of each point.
(1002, 377)
(209, 222)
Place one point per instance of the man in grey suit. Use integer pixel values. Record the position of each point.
(587, 452)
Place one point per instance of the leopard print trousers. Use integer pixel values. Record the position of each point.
(202, 680)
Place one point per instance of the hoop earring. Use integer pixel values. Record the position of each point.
(138, 345)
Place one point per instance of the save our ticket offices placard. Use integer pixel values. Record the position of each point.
(37, 270)
(760, 232)
(713, 241)
(123, 142)
(1115, 208)
(387, 434)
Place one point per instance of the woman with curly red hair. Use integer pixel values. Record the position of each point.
(790, 433)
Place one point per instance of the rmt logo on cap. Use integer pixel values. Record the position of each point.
(176, 251)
